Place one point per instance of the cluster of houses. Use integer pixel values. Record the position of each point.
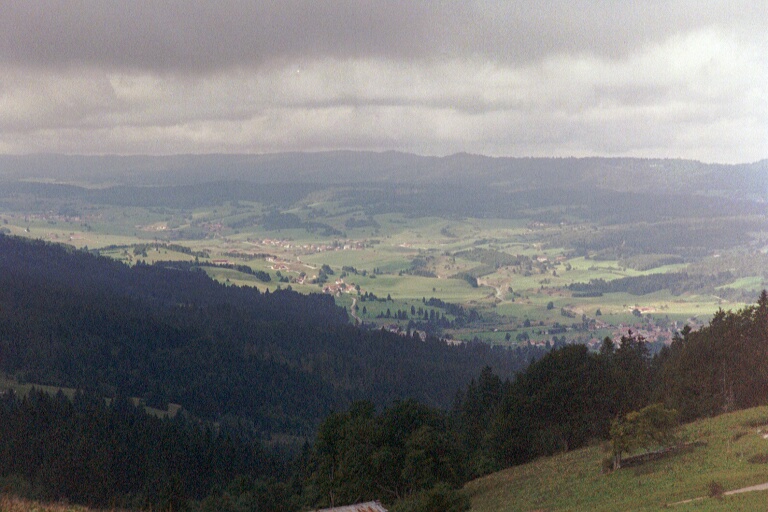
(55, 217)
(339, 287)
(651, 333)
(348, 245)
(397, 329)
(212, 227)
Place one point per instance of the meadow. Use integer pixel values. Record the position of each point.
(728, 452)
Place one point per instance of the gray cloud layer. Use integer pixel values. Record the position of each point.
(583, 77)
(198, 36)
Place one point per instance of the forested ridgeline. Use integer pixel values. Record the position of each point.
(166, 196)
(281, 360)
(36, 263)
(345, 167)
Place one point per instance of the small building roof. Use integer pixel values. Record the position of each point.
(371, 506)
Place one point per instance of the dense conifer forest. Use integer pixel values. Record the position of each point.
(87, 451)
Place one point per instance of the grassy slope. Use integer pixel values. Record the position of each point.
(573, 481)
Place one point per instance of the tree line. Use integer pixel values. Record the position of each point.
(676, 282)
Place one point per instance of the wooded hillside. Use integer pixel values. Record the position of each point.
(281, 360)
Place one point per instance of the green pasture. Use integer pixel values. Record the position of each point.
(497, 336)
(534, 310)
(376, 308)
(752, 283)
(75, 237)
(722, 449)
(664, 269)
(449, 235)
(415, 287)
(230, 276)
(500, 229)
(153, 255)
(583, 270)
(235, 278)
(23, 389)
(618, 306)
(385, 259)
(398, 226)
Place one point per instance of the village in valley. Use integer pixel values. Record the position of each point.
(383, 277)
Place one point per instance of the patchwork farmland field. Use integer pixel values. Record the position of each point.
(534, 267)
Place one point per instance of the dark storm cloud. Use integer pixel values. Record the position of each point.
(204, 35)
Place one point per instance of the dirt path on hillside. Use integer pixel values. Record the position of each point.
(759, 487)
(499, 294)
(353, 312)
(751, 488)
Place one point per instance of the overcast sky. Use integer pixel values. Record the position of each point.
(677, 79)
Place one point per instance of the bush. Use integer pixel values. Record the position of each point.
(715, 490)
(760, 458)
(738, 435)
(759, 422)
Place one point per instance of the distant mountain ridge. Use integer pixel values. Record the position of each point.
(748, 180)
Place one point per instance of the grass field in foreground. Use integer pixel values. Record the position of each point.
(574, 481)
